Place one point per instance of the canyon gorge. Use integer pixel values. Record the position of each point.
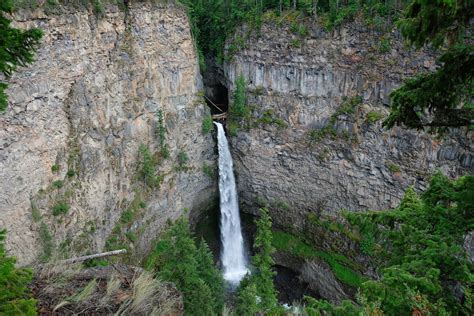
(112, 94)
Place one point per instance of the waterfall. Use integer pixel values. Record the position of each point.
(233, 256)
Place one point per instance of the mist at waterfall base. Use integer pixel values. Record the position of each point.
(233, 257)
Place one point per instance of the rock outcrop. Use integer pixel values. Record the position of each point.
(77, 117)
(326, 158)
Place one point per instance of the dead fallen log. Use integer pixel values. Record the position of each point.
(94, 256)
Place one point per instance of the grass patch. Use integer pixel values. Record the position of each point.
(289, 243)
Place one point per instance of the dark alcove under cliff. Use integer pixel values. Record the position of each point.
(217, 98)
(215, 87)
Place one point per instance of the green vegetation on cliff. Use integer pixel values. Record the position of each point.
(340, 265)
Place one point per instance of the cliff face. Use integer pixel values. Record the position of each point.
(85, 106)
(353, 163)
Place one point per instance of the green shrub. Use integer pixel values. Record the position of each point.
(15, 296)
(258, 90)
(374, 116)
(147, 168)
(131, 236)
(299, 29)
(384, 45)
(60, 208)
(58, 184)
(54, 168)
(393, 167)
(232, 128)
(46, 243)
(70, 173)
(239, 109)
(165, 152)
(127, 217)
(35, 213)
(96, 262)
(269, 117)
(160, 129)
(182, 158)
(208, 171)
(207, 125)
(98, 7)
(296, 43)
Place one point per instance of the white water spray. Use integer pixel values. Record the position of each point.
(233, 257)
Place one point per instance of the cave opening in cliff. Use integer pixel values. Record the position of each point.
(217, 98)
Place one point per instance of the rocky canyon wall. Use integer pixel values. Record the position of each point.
(307, 153)
(77, 117)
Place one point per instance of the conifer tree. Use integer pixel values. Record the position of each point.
(210, 275)
(177, 259)
(442, 98)
(263, 262)
(14, 297)
(247, 300)
(16, 48)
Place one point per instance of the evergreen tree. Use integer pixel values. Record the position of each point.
(210, 275)
(239, 107)
(263, 262)
(442, 98)
(176, 259)
(420, 247)
(16, 48)
(247, 300)
(14, 296)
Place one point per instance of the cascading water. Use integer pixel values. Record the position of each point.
(233, 256)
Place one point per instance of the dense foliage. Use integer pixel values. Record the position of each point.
(260, 283)
(423, 268)
(177, 259)
(213, 21)
(442, 98)
(14, 298)
(16, 49)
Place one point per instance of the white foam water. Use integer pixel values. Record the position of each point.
(233, 257)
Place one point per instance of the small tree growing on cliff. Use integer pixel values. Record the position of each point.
(239, 108)
(16, 48)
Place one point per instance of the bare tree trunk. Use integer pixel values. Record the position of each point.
(97, 255)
